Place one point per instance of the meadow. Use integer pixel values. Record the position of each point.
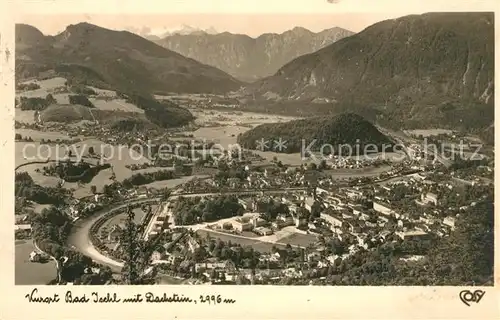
(115, 104)
(38, 135)
(46, 86)
(121, 218)
(298, 239)
(24, 116)
(172, 183)
(104, 100)
(264, 247)
(31, 273)
(117, 156)
(428, 132)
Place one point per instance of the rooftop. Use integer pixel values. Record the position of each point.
(309, 201)
(415, 233)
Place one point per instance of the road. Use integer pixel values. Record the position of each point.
(244, 192)
(80, 241)
(37, 248)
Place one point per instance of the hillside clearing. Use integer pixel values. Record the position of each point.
(115, 104)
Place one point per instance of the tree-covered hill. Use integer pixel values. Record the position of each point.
(348, 128)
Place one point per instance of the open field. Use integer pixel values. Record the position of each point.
(63, 111)
(173, 182)
(193, 97)
(37, 135)
(248, 234)
(115, 104)
(260, 246)
(38, 208)
(117, 156)
(293, 159)
(62, 98)
(118, 219)
(224, 135)
(223, 127)
(152, 169)
(103, 92)
(290, 235)
(24, 116)
(26, 152)
(38, 177)
(31, 273)
(166, 279)
(357, 173)
(33, 151)
(232, 118)
(66, 113)
(46, 86)
(396, 179)
(122, 218)
(298, 239)
(48, 83)
(100, 180)
(84, 190)
(428, 132)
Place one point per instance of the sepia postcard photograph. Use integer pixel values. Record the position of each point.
(213, 153)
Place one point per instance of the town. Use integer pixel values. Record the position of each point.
(294, 158)
(243, 219)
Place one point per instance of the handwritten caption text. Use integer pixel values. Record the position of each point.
(149, 297)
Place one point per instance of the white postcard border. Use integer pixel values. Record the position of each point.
(252, 302)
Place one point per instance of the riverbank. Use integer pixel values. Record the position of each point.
(32, 273)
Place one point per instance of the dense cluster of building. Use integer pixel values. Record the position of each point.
(361, 217)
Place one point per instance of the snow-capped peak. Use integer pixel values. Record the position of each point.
(186, 29)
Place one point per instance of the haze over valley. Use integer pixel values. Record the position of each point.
(247, 58)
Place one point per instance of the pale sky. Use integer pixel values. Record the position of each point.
(252, 17)
(251, 24)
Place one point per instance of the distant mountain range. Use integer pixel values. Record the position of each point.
(247, 58)
(421, 70)
(136, 68)
(120, 60)
(430, 70)
(160, 33)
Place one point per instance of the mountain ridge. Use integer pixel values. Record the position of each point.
(247, 58)
(410, 68)
(121, 59)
